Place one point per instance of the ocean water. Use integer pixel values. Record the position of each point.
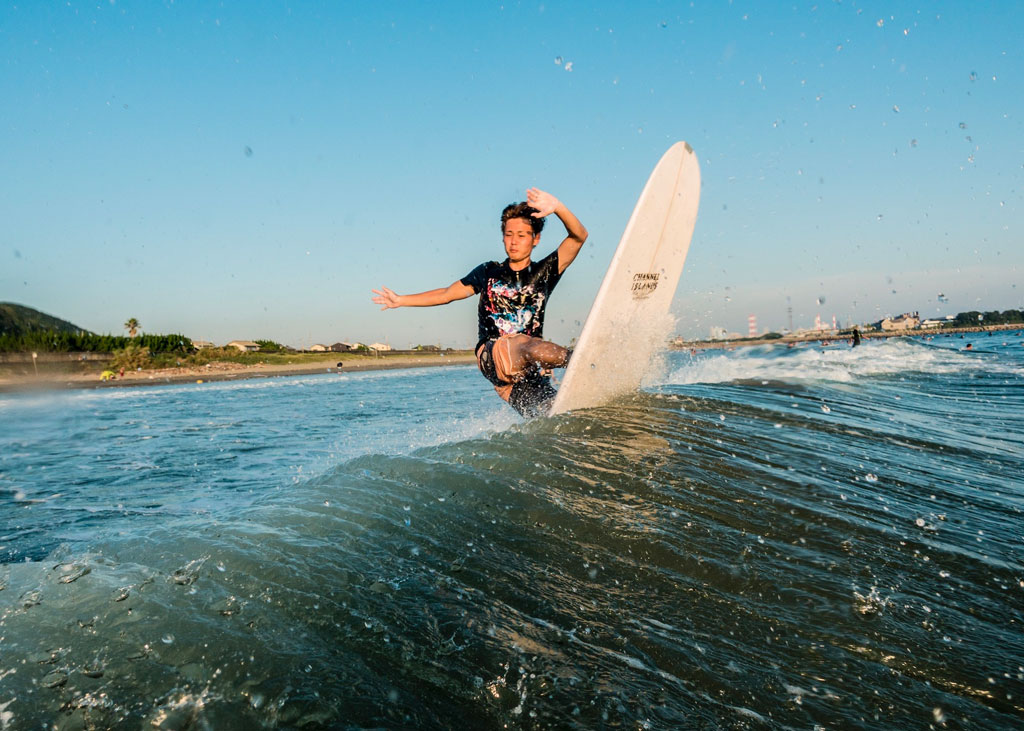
(764, 538)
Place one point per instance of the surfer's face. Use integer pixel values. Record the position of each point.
(519, 239)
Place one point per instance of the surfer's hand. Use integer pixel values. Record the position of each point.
(386, 298)
(545, 203)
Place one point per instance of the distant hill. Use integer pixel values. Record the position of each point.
(18, 319)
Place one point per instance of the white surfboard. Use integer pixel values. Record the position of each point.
(630, 319)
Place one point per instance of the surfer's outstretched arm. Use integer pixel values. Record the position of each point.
(546, 204)
(441, 296)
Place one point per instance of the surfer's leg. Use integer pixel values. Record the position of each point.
(545, 353)
(519, 364)
(515, 355)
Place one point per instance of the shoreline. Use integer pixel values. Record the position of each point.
(222, 371)
(870, 335)
(226, 371)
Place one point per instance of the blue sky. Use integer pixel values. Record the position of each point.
(245, 170)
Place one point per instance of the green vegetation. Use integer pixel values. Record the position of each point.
(269, 346)
(18, 319)
(81, 341)
(974, 318)
(132, 326)
(285, 357)
(131, 357)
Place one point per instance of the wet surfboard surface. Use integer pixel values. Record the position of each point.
(630, 319)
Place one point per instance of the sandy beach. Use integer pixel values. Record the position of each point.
(222, 371)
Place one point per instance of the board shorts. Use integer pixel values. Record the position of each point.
(532, 396)
(485, 362)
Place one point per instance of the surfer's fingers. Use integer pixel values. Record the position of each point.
(545, 203)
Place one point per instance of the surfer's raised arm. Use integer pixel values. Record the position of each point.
(546, 204)
(388, 299)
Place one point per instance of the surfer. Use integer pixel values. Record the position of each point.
(511, 352)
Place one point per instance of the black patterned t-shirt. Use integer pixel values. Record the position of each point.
(511, 301)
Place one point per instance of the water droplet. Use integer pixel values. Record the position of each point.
(558, 60)
(881, 22)
(568, 65)
(248, 151)
(869, 605)
(826, 409)
(870, 477)
(167, 639)
(896, 108)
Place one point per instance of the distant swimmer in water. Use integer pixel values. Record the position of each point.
(511, 352)
(969, 347)
(855, 340)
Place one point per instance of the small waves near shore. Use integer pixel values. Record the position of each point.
(769, 537)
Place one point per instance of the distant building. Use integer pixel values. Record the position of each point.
(719, 333)
(906, 321)
(318, 348)
(821, 326)
(947, 320)
(246, 346)
(380, 347)
(342, 347)
(200, 344)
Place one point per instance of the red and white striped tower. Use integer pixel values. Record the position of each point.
(752, 325)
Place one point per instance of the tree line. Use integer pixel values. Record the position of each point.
(975, 318)
(53, 341)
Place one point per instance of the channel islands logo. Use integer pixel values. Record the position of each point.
(643, 284)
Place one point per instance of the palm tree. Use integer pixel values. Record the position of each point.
(132, 326)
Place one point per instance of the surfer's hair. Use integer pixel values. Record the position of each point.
(525, 211)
